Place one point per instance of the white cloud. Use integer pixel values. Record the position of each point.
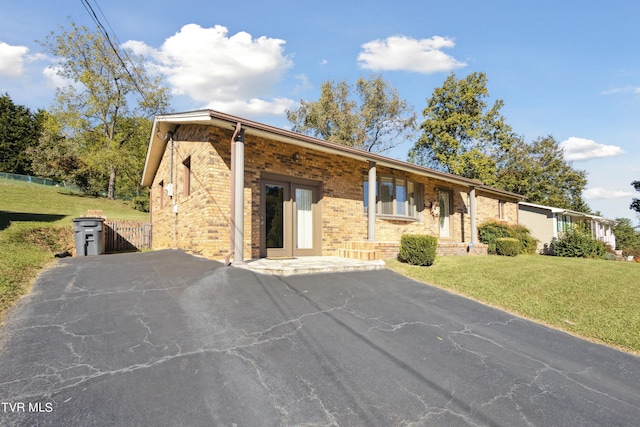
(303, 83)
(404, 53)
(54, 79)
(605, 193)
(234, 72)
(585, 149)
(254, 106)
(611, 91)
(621, 90)
(12, 59)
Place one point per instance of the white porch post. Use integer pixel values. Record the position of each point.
(371, 213)
(238, 196)
(472, 215)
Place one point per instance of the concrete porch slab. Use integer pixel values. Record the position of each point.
(309, 265)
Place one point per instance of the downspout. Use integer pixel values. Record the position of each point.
(371, 210)
(236, 249)
(171, 161)
(472, 215)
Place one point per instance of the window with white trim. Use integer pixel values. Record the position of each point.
(395, 197)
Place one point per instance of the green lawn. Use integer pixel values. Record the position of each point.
(35, 223)
(61, 205)
(595, 299)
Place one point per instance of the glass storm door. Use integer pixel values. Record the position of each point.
(288, 220)
(274, 219)
(304, 228)
(444, 201)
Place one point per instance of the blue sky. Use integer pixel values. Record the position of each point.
(570, 69)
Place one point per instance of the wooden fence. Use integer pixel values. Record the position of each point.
(123, 236)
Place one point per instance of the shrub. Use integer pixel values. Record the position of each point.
(418, 249)
(140, 203)
(578, 242)
(528, 244)
(490, 231)
(634, 252)
(507, 246)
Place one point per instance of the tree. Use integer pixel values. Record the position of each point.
(459, 134)
(376, 120)
(55, 156)
(539, 171)
(107, 92)
(627, 236)
(635, 203)
(19, 130)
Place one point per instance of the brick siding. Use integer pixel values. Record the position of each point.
(202, 222)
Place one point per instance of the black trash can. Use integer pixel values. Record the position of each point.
(88, 234)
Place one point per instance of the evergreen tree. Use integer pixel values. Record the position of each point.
(19, 130)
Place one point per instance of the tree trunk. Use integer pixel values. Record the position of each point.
(111, 193)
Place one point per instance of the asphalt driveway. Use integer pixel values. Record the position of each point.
(163, 338)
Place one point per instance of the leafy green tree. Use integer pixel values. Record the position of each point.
(55, 156)
(19, 130)
(372, 117)
(539, 171)
(635, 204)
(460, 134)
(627, 236)
(107, 91)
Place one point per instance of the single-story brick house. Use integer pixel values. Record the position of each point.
(548, 223)
(225, 186)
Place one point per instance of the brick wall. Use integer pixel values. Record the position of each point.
(488, 207)
(201, 224)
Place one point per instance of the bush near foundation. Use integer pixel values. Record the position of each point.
(507, 246)
(578, 242)
(418, 249)
(489, 231)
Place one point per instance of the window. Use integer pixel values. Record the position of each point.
(386, 196)
(564, 222)
(501, 205)
(186, 181)
(394, 197)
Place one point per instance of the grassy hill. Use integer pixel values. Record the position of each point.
(35, 223)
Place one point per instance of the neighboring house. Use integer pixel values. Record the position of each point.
(224, 186)
(548, 223)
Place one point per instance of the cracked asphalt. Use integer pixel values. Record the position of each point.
(163, 339)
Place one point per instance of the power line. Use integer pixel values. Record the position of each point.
(116, 51)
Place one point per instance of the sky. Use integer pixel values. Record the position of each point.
(569, 69)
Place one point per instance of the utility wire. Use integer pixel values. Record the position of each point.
(116, 51)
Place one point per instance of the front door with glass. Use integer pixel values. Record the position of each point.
(288, 219)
